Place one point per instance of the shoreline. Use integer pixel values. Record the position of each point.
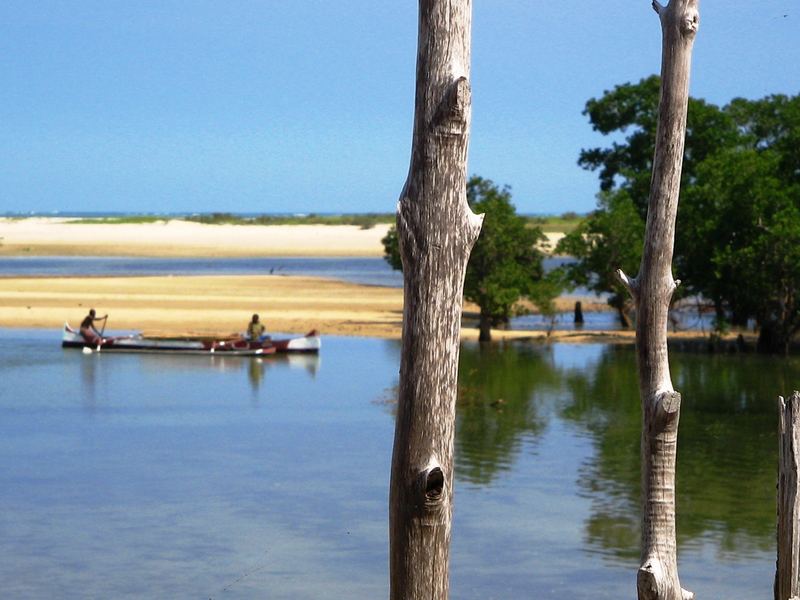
(45, 236)
(222, 304)
(216, 304)
(173, 238)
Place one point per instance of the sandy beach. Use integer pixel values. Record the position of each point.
(203, 304)
(211, 304)
(59, 237)
(216, 305)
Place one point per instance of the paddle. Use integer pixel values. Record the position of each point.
(102, 331)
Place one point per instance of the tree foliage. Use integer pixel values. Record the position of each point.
(610, 238)
(506, 263)
(738, 230)
(741, 243)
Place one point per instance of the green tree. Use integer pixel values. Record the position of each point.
(391, 249)
(738, 224)
(506, 263)
(610, 238)
(632, 109)
(740, 241)
(741, 245)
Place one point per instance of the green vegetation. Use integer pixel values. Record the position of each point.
(505, 265)
(610, 238)
(365, 221)
(738, 230)
(549, 224)
(128, 219)
(565, 223)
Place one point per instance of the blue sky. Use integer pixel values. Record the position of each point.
(306, 106)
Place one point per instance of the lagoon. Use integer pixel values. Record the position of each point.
(140, 476)
(366, 271)
(362, 270)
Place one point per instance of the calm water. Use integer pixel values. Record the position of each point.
(369, 271)
(191, 477)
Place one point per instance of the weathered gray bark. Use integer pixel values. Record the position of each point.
(436, 231)
(787, 574)
(652, 291)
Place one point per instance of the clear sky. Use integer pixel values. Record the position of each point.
(306, 105)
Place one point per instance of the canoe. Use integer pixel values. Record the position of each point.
(309, 343)
(231, 346)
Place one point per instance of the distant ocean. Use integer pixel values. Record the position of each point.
(77, 214)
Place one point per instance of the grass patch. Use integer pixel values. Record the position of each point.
(558, 223)
(364, 221)
(549, 224)
(134, 219)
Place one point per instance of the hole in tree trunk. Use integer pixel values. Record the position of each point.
(434, 486)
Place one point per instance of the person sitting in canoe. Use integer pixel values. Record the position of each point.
(256, 332)
(88, 330)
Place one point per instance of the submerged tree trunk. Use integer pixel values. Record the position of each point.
(485, 327)
(578, 314)
(652, 291)
(436, 231)
(787, 574)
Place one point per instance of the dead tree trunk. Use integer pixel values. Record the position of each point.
(787, 574)
(652, 291)
(436, 231)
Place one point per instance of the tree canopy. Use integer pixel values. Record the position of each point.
(609, 239)
(738, 231)
(506, 263)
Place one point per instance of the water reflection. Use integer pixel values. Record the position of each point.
(254, 368)
(257, 367)
(510, 394)
(88, 382)
(501, 390)
(182, 471)
(726, 452)
(310, 363)
(177, 485)
(255, 373)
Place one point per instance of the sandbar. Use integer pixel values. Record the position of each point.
(212, 305)
(218, 305)
(44, 236)
(58, 236)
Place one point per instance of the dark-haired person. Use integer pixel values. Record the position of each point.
(88, 330)
(256, 330)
